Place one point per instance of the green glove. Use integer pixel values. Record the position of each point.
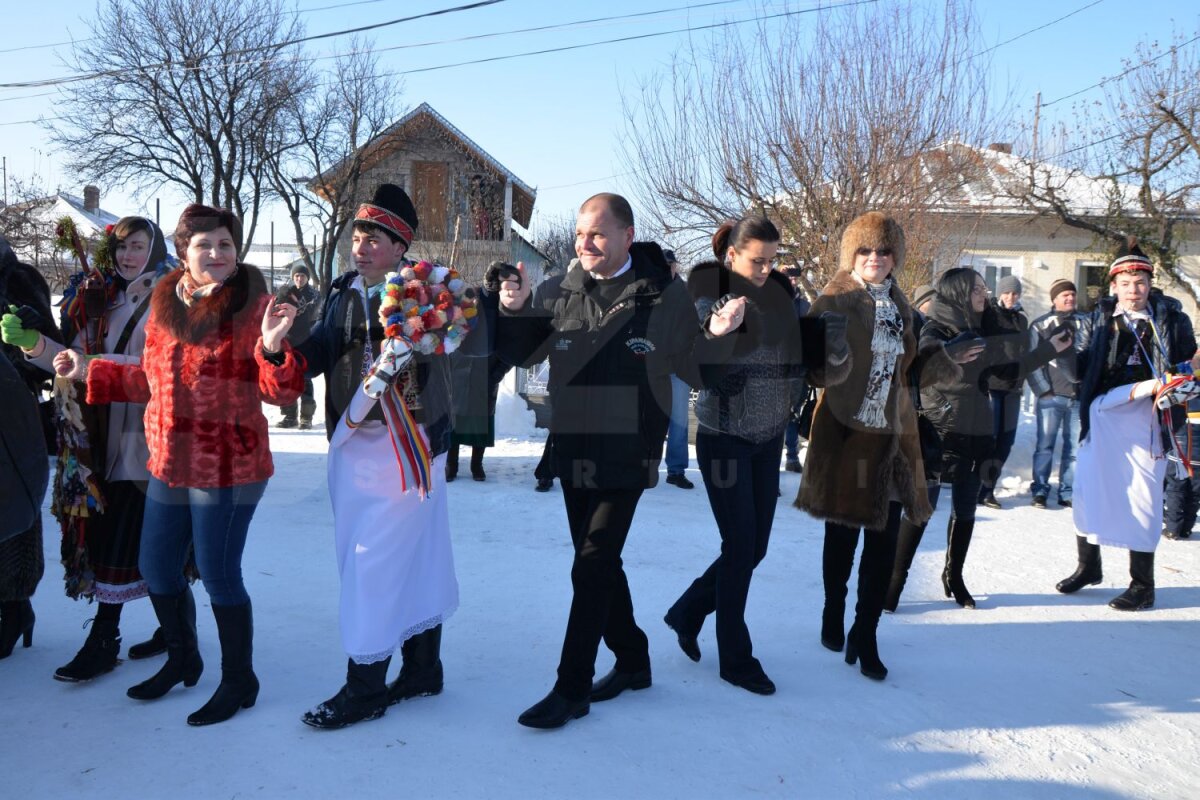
(13, 332)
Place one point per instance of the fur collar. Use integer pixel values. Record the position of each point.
(232, 303)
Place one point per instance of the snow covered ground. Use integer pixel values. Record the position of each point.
(1032, 695)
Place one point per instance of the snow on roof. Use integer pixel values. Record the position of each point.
(994, 180)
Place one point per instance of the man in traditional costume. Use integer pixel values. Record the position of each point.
(1135, 344)
(388, 416)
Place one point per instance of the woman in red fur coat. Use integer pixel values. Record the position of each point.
(215, 351)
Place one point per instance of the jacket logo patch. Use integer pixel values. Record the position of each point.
(562, 345)
(640, 346)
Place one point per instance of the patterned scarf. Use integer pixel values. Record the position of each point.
(887, 344)
(187, 290)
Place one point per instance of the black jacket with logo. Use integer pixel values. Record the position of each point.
(610, 367)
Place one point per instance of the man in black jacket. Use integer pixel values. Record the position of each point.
(1056, 387)
(308, 305)
(615, 328)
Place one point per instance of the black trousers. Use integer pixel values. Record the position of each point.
(1006, 415)
(742, 480)
(601, 607)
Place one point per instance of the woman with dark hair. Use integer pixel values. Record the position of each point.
(215, 351)
(864, 464)
(751, 380)
(959, 406)
(100, 483)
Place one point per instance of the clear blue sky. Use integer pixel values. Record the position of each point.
(554, 119)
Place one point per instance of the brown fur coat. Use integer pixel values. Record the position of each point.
(852, 472)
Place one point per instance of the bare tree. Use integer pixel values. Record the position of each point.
(1142, 144)
(330, 136)
(189, 94)
(555, 238)
(28, 224)
(812, 120)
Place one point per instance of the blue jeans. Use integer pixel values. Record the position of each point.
(791, 440)
(1054, 415)
(213, 522)
(677, 430)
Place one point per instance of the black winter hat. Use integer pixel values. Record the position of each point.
(301, 269)
(392, 210)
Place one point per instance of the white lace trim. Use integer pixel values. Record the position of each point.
(122, 593)
(420, 627)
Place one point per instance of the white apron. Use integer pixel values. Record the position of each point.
(393, 549)
(1119, 473)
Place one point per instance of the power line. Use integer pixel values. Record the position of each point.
(460, 39)
(970, 57)
(1119, 75)
(273, 46)
(296, 13)
(1028, 32)
(584, 45)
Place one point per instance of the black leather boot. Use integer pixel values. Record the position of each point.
(837, 561)
(177, 616)
(239, 685)
(421, 667)
(97, 656)
(16, 622)
(958, 542)
(477, 472)
(363, 697)
(874, 573)
(153, 646)
(908, 540)
(452, 463)
(1088, 573)
(1140, 593)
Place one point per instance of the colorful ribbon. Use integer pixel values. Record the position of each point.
(412, 454)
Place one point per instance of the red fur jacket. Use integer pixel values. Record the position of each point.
(204, 378)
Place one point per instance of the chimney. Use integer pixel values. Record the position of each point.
(1001, 147)
(91, 199)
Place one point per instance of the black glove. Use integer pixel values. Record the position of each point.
(722, 301)
(963, 342)
(30, 318)
(837, 349)
(499, 272)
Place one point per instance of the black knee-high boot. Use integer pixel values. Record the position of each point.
(452, 463)
(177, 617)
(907, 542)
(958, 541)
(239, 685)
(421, 670)
(874, 572)
(837, 562)
(1140, 593)
(363, 697)
(477, 472)
(1088, 571)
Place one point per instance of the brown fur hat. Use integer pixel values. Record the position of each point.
(874, 230)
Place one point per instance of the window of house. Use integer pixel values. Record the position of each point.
(1091, 278)
(992, 268)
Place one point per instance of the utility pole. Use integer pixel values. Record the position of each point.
(272, 255)
(6, 181)
(157, 212)
(1037, 113)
